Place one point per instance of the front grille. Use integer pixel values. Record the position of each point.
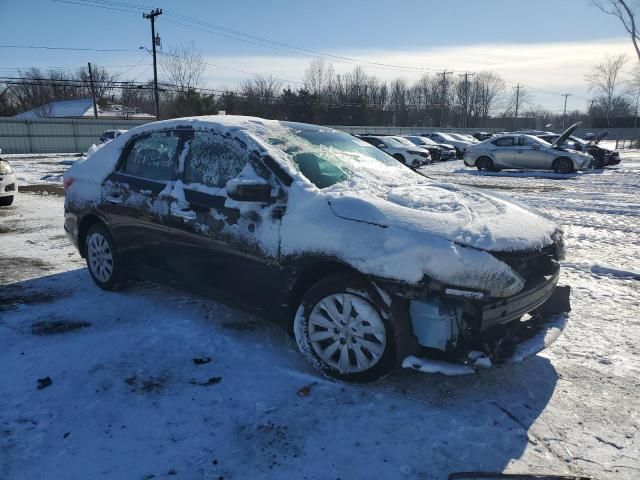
(531, 265)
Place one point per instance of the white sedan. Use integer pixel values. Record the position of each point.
(8, 184)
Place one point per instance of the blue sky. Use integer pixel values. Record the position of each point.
(547, 44)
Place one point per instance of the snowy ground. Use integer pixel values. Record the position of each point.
(128, 401)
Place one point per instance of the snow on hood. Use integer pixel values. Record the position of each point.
(462, 215)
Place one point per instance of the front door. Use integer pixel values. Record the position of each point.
(531, 154)
(222, 246)
(135, 198)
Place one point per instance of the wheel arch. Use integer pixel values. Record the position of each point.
(83, 229)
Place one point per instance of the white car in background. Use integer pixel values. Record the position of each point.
(8, 184)
(400, 148)
(464, 137)
(109, 135)
(441, 137)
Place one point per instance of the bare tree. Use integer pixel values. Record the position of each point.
(183, 67)
(626, 13)
(103, 81)
(318, 77)
(603, 79)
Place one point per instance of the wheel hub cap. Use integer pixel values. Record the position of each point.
(346, 332)
(100, 257)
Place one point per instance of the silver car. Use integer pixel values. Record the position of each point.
(526, 152)
(8, 185)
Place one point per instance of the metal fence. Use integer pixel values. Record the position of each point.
(49, 135)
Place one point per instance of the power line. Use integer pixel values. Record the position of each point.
(69, 48)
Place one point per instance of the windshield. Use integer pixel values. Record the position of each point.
(404, 142)
(5, 168)
(392, 142)
(447, 137)
(327, 157)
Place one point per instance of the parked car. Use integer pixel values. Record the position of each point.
(400, 148)
(369, 264)
(601, 156)
(109, 135)
(517, 151)
(438, 151)
(482, 136)
(464, 137)
(8, 184)
(440, 137)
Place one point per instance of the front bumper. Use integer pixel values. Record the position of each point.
(612, 158)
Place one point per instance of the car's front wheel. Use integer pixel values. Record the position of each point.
(485, 164)
(415, 164)
(563, 165)
(6, 201)
(342, 329)
(102, 257)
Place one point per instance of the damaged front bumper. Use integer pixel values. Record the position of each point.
(507, 343)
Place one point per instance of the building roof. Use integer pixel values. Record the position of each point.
(80, 108)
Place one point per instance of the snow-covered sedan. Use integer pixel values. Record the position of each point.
(8, 184)
(400, 148)
(527, 152)
(369, 264)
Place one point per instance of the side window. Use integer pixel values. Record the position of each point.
(153, 156)
(503, 142)
(213, 160)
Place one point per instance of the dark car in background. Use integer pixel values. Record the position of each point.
(601, 156)
(439, 151)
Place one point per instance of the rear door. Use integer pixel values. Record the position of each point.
(221, 246)
(503, 151)
(135, 197)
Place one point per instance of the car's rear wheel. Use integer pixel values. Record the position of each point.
(102, 257)
(342, 328)
(485, 164)
(6, 201)
(563, 165)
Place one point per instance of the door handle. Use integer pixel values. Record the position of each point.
(117, 199)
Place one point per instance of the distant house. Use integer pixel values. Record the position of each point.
(82, 108)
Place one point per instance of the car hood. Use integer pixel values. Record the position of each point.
(596, 140)
(466, 216)
(566, 134)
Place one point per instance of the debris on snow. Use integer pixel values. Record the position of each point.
(44, 382)
(201, 361)
(426, 365)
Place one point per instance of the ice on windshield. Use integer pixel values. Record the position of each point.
(327, 157)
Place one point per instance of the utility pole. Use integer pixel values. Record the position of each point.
(564, 113)
(518, 87)
(466, 95)
(444, 95)
(93, 92)
(152, 16)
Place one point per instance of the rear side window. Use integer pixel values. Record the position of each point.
(153, 156)
(213, 160)
(504, 142)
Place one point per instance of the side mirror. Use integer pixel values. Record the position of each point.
(249, 190)
(535, 146)
(382, 145)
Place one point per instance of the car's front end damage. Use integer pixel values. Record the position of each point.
(457, 330)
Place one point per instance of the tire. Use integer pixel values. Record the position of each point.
(599, 161)
(415, 164)
(355, 347)
(562, 165)
(102, 258)
(400, 158)
(6, 201)
(485, 164)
